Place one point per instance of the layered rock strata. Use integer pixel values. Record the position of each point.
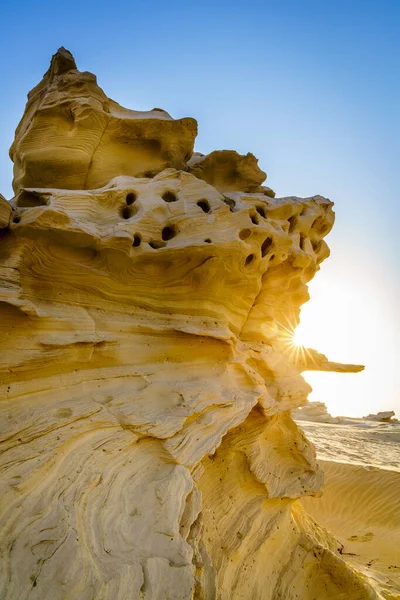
(147, 371)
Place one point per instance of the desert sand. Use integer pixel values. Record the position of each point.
(359, 505)
(359, 501)
(148, 300)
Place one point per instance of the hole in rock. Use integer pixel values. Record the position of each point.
(249, 259)
(316, 244)
(136, 240)
(128, 211)
(169, 232)
(261, 211)
(130, 198)
(28, 199)
(266, 245)
(292, 223)
(148, 174)
(16, 220)
(156, 245)
(169, 197)
(244, 234)
(272, 257)
(207, 241)
(204, 205)
(255, 219)
(302, 241)
(231, 203)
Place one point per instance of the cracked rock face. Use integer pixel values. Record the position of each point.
(147, 449)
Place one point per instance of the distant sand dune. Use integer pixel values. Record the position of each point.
(361, 507)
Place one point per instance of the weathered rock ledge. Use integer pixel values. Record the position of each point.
(147, 370)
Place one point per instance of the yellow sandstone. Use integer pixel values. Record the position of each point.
(147, 372)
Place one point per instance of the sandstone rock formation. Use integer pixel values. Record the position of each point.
(5, 212)
(384, 417)
(228, 171)
(147, 370)
(73, 137)
(314, 411)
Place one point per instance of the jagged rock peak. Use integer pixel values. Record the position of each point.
(72, 136)
(61, 62)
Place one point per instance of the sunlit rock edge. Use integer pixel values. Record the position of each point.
(148, 303)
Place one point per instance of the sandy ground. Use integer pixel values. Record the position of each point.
(360, 505)
(356, 442)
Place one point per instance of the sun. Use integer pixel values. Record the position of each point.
(299, 338)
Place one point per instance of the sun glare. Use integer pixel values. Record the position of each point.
(299, 338)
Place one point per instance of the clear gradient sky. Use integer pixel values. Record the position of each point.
(311, 87)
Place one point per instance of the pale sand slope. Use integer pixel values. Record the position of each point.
(361, 507)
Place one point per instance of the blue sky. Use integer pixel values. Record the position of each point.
(312, 88)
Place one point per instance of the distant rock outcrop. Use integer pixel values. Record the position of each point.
(314, 411)
(384, 417)
(147, 371)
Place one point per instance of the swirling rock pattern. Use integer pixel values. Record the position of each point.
(72, 136)
(147, 374)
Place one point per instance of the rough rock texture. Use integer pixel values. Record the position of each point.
(5, 212)
(147, 372)
(229, 171)
(73, 137)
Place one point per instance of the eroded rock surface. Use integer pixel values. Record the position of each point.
(228, 171)
(73, 137)
(147, 371)
(5, 212)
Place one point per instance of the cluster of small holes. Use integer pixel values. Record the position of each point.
(244, 234)
(204, 205)
(136, 240)
(266, 245)
(169, 197)
(169, 232)
(249, 259)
